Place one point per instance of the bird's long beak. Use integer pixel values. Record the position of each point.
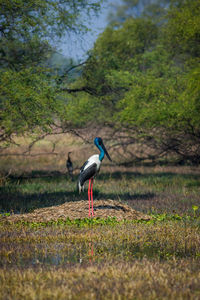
(106, 152)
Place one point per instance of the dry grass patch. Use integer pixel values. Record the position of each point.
(79, 209)
(139, 280)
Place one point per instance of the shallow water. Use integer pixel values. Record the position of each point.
(55, 255)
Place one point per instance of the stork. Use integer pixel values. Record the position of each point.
(69, 165)
(90, 169)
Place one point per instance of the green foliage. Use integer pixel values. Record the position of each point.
(82, 110)
(152, 9)
(149, 101)
(79, 110)
(132, 58)
(118, 50)
(28, 30)
(147, 74)
(112, 221)
(27, 101)
(183, 29)
(28, 26)
(195, 208)
(80, 223)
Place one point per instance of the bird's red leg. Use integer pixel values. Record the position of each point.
(89, 197)
(92, 196)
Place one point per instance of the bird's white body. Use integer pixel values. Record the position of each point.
(90, 168)
(91, 160)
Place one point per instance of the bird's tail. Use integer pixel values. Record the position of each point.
(80, 187)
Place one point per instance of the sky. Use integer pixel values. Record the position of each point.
(76, 46)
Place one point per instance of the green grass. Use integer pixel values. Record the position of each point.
(146, 190)
(103, 258)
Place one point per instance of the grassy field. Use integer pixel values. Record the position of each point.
(101, 259)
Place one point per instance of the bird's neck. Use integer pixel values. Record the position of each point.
(101, 155)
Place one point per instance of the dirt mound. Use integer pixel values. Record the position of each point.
(79, 210)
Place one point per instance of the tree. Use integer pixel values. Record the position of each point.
(182, 30)
(145, 79)
(27, 103)
(27, 27)
(152, 9)
(118, 50)
(29, 99)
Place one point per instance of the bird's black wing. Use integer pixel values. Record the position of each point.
(83, 166)
(87, 173)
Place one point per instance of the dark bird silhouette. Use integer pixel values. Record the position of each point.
(69, 166)
(90, 168)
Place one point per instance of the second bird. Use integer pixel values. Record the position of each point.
(69, 166)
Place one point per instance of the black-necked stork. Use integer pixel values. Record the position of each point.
(90, 168)
(69, 165)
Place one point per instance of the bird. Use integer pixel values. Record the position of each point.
(90, 169)
(69, 166)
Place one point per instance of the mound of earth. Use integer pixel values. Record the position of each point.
(79, 210)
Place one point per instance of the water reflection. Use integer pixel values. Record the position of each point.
(55, 255)
(91, 252)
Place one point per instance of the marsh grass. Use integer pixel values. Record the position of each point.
(64, 242)
(101, 260)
